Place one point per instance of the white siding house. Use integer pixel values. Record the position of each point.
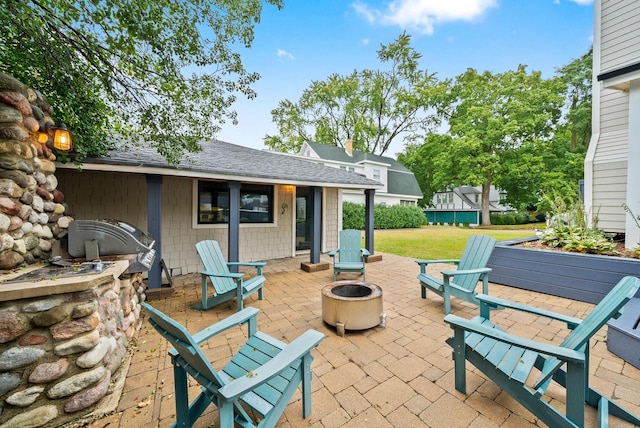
(463, 205)
(399, 185)
(611, 172)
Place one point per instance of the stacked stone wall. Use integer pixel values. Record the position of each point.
(60, 355)
(32, 209)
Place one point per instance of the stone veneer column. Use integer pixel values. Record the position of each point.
(31, 207)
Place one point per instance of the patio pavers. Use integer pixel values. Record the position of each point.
(398, 376)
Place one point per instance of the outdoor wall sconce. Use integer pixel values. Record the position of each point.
(57, 137)
(284, 208)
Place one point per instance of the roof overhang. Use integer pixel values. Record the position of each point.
(620, 78)
(202, 175)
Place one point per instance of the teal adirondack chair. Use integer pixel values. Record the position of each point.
(350, 256)
(462, 282)
(508, 360)
(226, 284)
(262, 375)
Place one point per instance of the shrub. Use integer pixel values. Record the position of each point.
(352, 216)
(392, 217)
(569, 230)
(511, 217)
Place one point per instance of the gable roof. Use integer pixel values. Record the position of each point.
(226, 161)
(400, 180)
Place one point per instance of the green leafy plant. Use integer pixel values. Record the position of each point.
(636, 219)
(570, 230)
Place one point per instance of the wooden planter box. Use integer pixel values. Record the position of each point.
(583, 277)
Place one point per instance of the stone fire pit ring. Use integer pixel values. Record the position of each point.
(352, 305)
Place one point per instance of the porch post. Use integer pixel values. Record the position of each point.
(234, 224)
(154, 226)
(316, 205)
(368, 219)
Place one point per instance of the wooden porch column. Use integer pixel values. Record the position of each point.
(316, 205)
(234, 224)
(368, 219)
(154, 226)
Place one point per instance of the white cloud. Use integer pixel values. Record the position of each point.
(284, 54)
(583, 2)
(365, 41)
(422, 15)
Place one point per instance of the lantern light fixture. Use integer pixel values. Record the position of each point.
(57, 137)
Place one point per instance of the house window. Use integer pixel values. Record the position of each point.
(351, 169)
(408, 203)
(503, 198)
(444, 198)
(256, 203)
(343, 167)
(476, 198)
(376, 174)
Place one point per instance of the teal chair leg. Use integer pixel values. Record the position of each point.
(306, 385)
(182, 398)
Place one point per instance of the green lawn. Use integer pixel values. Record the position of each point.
(438, 242)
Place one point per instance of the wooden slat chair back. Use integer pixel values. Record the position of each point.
(509, 360)
(226, 284)
(349, 256)
(461, 282)
(262, 375)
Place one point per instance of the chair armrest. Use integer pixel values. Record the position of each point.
(232, 321)
(423, 263)
(559, 352)
(450, 273)
(292, 352)
(333, 252)
(365, 252)
(251, 264)
(496, 302)
(223, 274)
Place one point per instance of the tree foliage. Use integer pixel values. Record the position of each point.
(370, 107)
(498, 124)
(160, 70)
(526, 134)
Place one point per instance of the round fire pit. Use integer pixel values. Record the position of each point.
(352, 305)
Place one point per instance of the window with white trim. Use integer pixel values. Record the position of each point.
(256, 203)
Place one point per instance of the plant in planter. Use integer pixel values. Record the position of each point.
(636, 219)
(569, 273)
(569, 230)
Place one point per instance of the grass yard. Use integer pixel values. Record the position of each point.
(439, 242)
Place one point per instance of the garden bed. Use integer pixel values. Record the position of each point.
(583, 277)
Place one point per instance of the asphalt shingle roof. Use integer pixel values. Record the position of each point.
(400, 180)
(221, 158)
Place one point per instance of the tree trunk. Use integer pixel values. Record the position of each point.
(486, 214)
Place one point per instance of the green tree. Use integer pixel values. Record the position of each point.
(160, 70)
(370, 107)
(493, 117)
(577, 75)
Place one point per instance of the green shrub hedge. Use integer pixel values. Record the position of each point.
(511, 217)
(393, 217)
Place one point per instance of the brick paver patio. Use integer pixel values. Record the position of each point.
(398, 376)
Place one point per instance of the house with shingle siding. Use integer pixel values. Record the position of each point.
(190, 201)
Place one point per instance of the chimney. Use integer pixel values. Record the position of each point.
(348, 147)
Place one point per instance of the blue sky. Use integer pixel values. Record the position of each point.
(309, 40)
